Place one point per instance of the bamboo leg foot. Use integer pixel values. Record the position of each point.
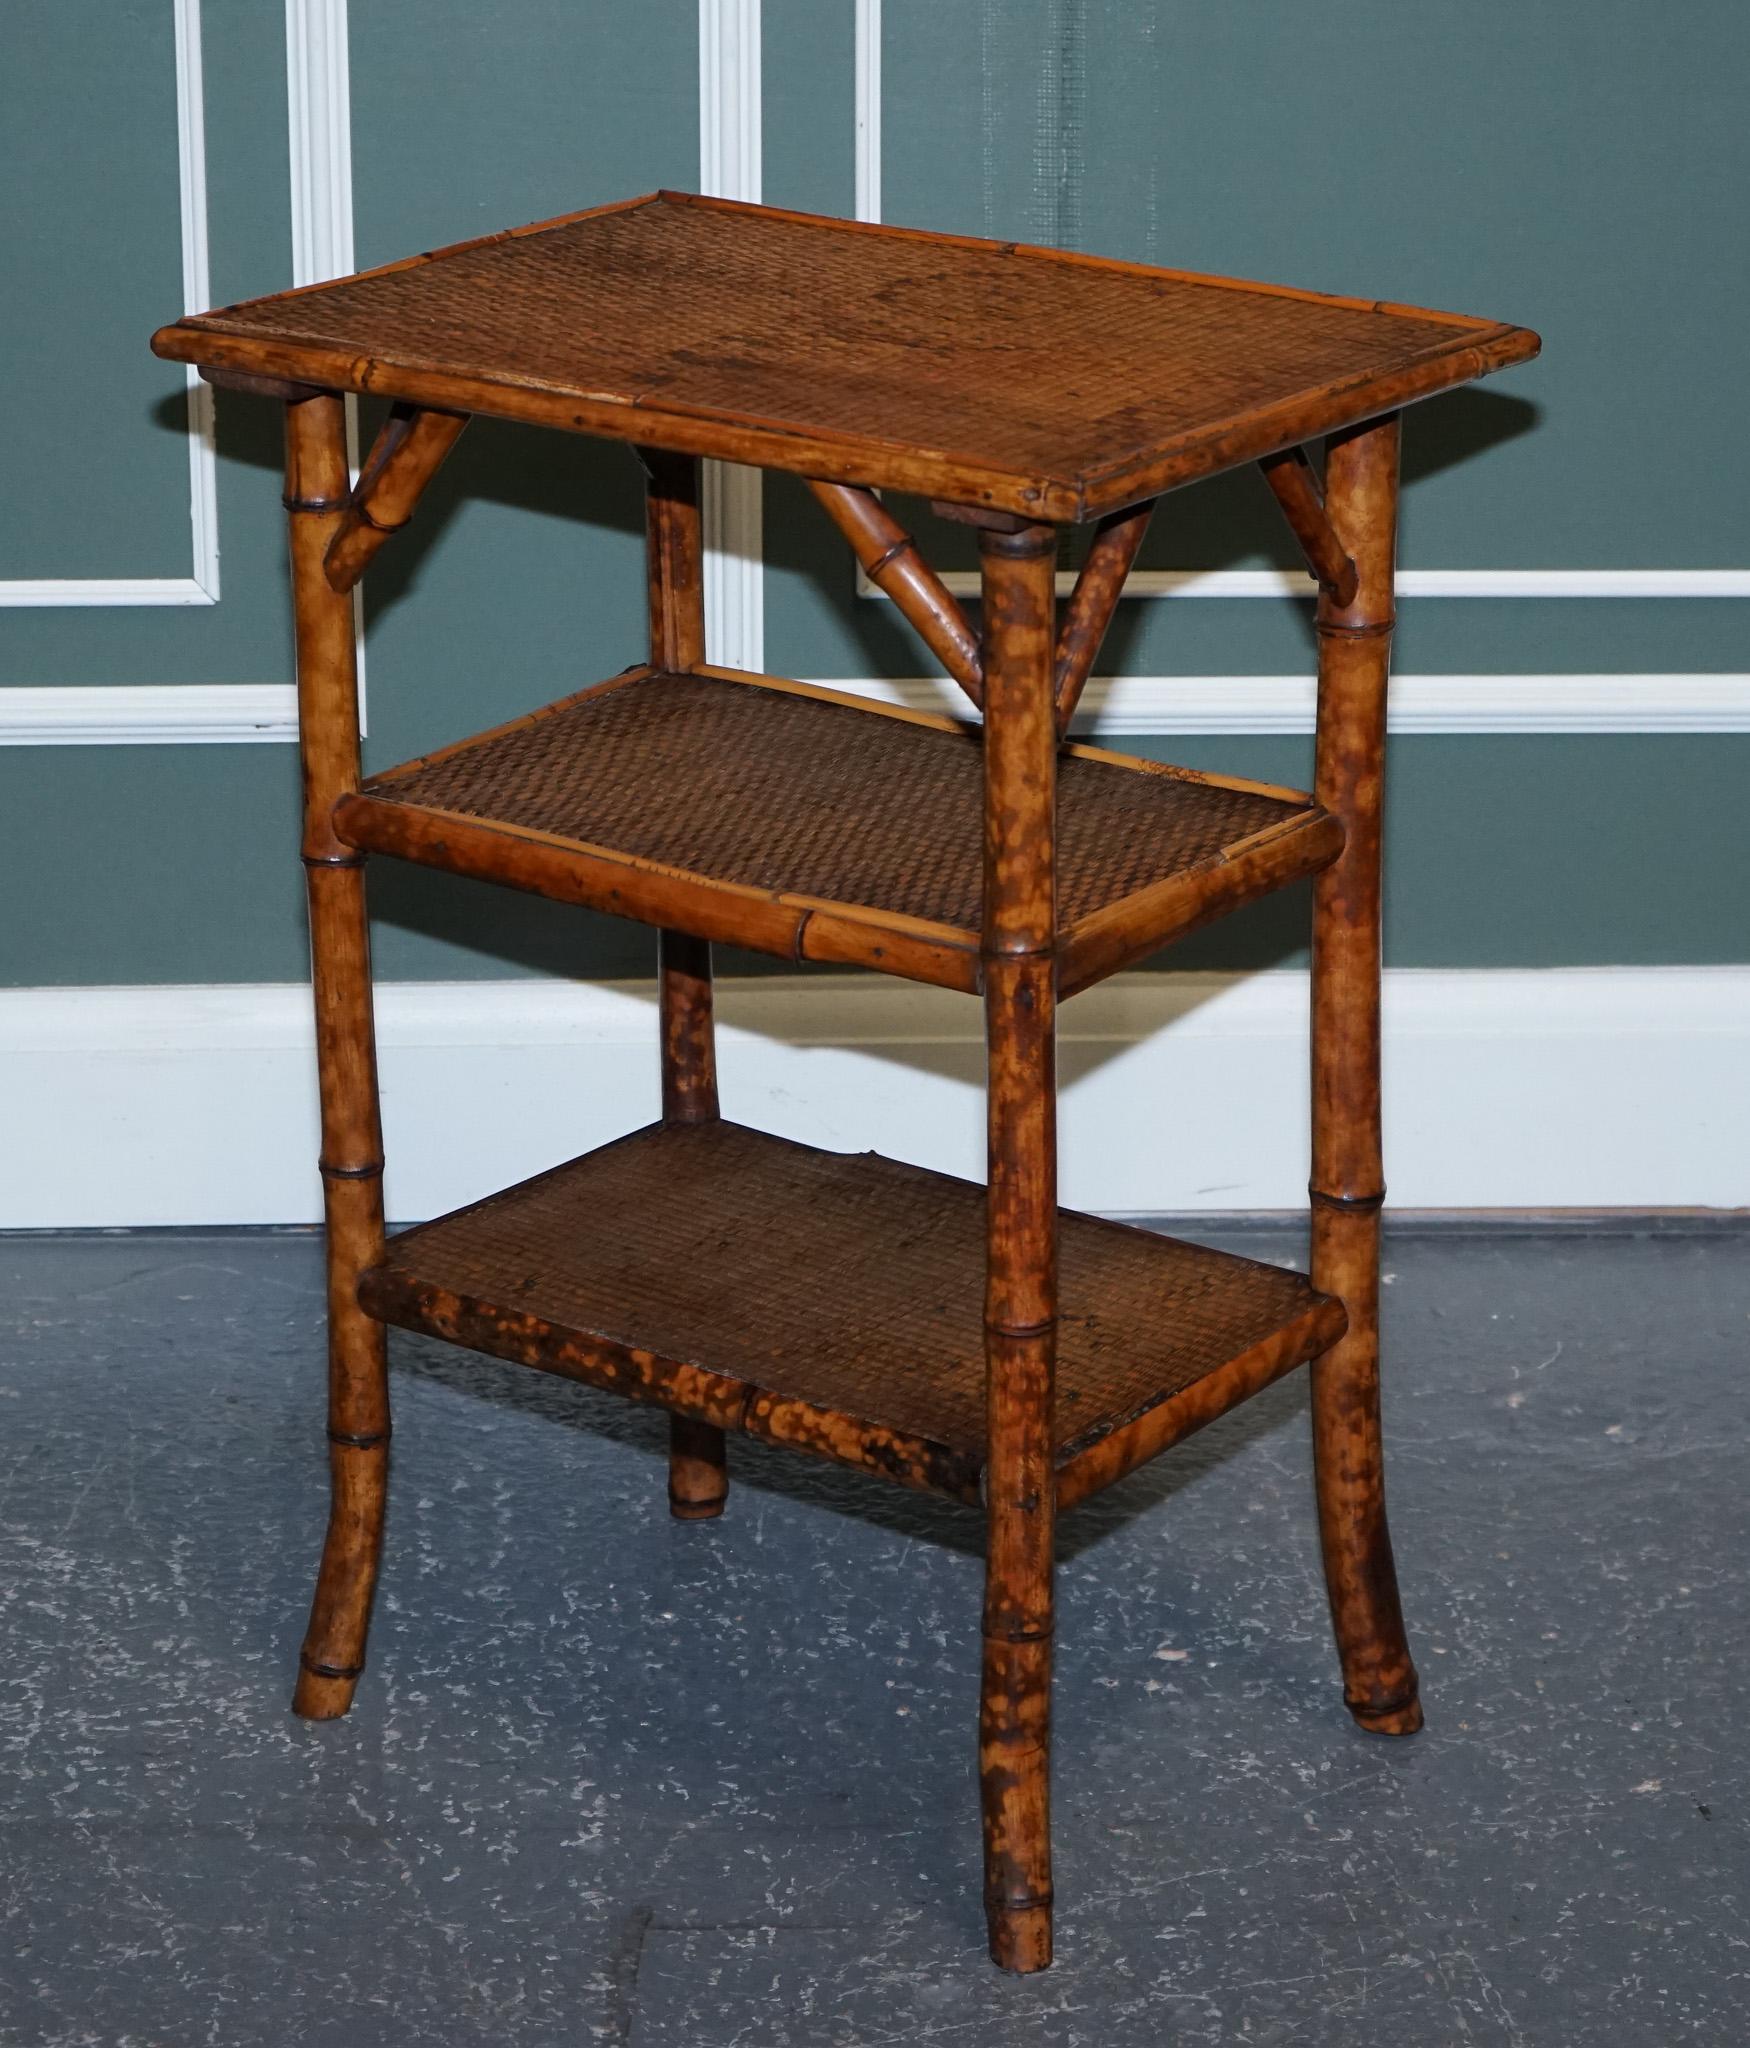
(1380, 1686)
(1406, 1720)
(334, 1648)
(698, 1477)
(1015, 1792)
(333, 1655)
(358, 1459)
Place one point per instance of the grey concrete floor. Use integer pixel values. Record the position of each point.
(613, 1778)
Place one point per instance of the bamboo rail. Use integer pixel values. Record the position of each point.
(407, 453)
(889, 558)
(1290, 476)
(1099, 586)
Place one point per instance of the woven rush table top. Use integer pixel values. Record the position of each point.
(846, 1280)
(986, 372)
(793, 793)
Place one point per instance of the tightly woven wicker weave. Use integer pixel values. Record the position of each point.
(854, 1283)
(774, 791)
(979, 352)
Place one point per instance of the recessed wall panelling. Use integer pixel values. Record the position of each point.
(90, 109)
(89, 241)
(527, 555)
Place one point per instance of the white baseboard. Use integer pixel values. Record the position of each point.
(1589, 1087)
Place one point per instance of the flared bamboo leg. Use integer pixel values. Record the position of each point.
(352, 1146)
(698, 1468)
(1348, 1188)
(1021, 1277)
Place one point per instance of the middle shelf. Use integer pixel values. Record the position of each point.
(816, 826)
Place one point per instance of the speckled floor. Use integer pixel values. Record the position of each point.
(613, 1778)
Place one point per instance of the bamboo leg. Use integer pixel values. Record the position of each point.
(1020, 745)
(352, 1144)
(698, 1475)
(1348, 1188)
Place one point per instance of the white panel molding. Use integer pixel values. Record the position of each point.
(1231, 583)
(147, 714)
(136, 1106)
(866, 34)
(1498, 583)
(729, 168)
(201, 586)
(319, 130)
(319, 107)
(1112, 706)
(320, 171)
(1181, 705)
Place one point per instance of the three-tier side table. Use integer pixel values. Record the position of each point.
(976, 1341)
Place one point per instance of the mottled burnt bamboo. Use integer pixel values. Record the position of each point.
(1348, 1186)
(1020, 1315)
(782, 922)
(890, 559)
(1194, 1407)
(698, 1471)
(1290, 476)
(1099, 586)
(409, 450)
(352, 1143)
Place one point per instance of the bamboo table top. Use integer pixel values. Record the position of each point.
(1030, 381)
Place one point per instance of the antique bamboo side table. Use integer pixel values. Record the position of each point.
(976, 1341)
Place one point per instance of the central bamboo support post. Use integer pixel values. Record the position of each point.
(1020, 1316)
(698, 1473)
(352, 1140)
(1348, 1184)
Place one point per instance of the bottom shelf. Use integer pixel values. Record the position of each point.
(833, 1302)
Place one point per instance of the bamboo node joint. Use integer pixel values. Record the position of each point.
(342, 1671)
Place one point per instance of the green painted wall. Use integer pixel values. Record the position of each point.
(1578, 167)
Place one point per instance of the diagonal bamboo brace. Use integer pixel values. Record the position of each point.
(1290, 475)
(404, 458)
(890, 559)
(1093, 601)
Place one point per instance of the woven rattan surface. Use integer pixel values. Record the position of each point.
(790, 793)
(1050, 371)
(848, 1281)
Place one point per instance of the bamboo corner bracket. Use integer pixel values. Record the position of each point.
(973, 1340)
